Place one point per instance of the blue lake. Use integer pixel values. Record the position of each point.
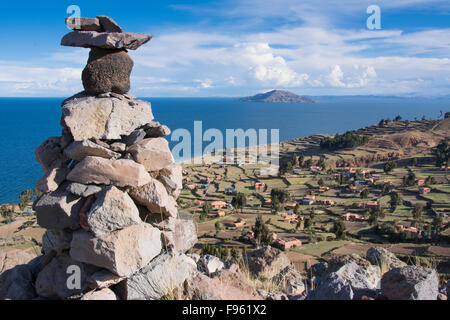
(26, 122)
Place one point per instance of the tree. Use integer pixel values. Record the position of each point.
(276, 205)
(298, 225)
(308, 163)
(207, 208)
(301, 158)
(281, 194)
(344, 141)
(25, 198)
(364, 194)
(321, 163)
(312, 214)
(389, 166)
(239, 201)
(297, 208)
(308, 223)
(417, 211)
(339, 229)
(442, 153)
(437, 224)
(410, 179)
(235, 254)
(414, 162)
(447, 115)
(430, 180)
(373, 217)
(398, 118)
(395, 201)
(320, 182)
(218, 227)
(261, 232)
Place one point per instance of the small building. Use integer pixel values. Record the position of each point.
(327, 202)
(287, 243)
(353, 217)
(219, 204)
(291, 204)
(424, 190)
(289, 215)
(315, 169)
(259, 186)
(239, 223)
(308, 202)
(192, 186)
(229, 190)
(297, 171)
(371, 204)
(220, 213)
(420, 182)
(324, 189)
(310, 196)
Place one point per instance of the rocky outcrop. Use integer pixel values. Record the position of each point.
(267, 260)
(384, 258)
(159, 278)
(410, 283)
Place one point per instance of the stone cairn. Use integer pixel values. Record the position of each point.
(110, 184)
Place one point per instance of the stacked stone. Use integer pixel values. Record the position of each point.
(110, 184)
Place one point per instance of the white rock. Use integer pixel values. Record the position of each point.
(154, 196)
(164, 274)
(172, 178)
(103, 118)
(120, 173)
(102, 295)
(153, 153)
(212, 264)
(122, 252)
(113, 210)
(78, 150)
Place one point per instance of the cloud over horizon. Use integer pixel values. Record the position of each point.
(309, 49)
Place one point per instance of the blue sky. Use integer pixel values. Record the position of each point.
(236, 48)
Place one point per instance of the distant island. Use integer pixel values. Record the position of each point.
(277, 96)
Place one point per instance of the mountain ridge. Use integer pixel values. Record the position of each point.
(277, 96)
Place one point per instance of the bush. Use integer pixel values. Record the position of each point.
(343, 141)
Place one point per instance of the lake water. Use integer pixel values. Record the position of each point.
(26, 122)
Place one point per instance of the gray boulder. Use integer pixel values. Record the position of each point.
(122, 252)
(89, 117)
(134, 137)
(333, 287)
(49, 154)
(153, 153)
(17, 284)
(56, 240)
(83, 190)
(290, 281)
(379, 256)
(267, 260)
(164, 274)
(63, 277)
(84, 24)
(172, 178)
(155, 198)
(410, 283)
(105, 40)
(120, 172)
(178, 234)
(58, 210)
(78, 150)
(113, 210)
(108, 24)
(212, 264)
(364, 281)
(107, 71)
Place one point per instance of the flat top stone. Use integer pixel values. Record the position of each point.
(106, 40)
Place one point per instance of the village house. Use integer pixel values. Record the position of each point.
(220, 213)
(289, 215)
(371, 204)
(297, 171)
(287, 243)
(327, 202)
(219, 204)
(192, 186)
(315, 169)
(239, 223)
(291, 204)
(424, 190)
(324, 189)
(259, 186)
(353, 217)
(230, 190)
(420, 182)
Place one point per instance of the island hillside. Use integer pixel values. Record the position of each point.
(277, 96)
